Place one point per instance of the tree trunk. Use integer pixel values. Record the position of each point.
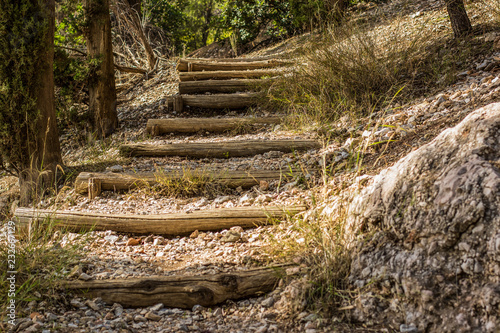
(102, 89)
(460, 22)
(46, 151)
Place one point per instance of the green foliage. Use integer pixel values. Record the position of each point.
(70, 78)
(70, 23)
(189, 24)
(246, 18)
(196, 23)
(22, 34)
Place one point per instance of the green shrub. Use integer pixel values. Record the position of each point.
(22, 35)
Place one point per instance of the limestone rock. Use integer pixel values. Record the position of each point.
(419, 213)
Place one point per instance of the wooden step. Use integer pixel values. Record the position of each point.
(215, 101)
(164, 224)
(225, 75)
(125, 181)
(190, 65)
(220, 86)
(193, 125)
(183, 291)
(218, 149)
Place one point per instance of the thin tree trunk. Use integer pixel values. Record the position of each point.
(46, 151)
(102, 89)
(460, 22)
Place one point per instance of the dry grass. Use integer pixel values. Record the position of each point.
(42, 259)
(357, 68)
(191, 183)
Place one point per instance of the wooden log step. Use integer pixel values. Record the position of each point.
(216, 101)
(218, 149)
(125, 181)
(250, 59)
(190, 65)
(164, 224)
(225, 75)
(193, 125)
(219, 86)
(182, 291)
(222, 101)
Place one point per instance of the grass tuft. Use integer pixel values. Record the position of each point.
(356, 69)
(42, 259)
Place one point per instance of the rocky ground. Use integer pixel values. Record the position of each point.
(107, 255)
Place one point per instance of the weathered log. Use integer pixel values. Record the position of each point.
(189, 65)
(182, 291)
(225, 75)
(219, 86)
(216, 101)
(218, 149)
(164, 224)
(126, 181)
(193, 125)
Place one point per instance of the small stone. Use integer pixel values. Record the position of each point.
(118, 311)
(268, 302)
(221, 200)
(157, 307)
(263, 185)
(111, 239)
(139, 319)
(231, 236)
(84, 277)
(109, 316)
(36, 316)
(93, 305)
(183, 328)
(478, 268)
(218, 312)
(403, 328)
(310, 325)
(133, 242)
(120, 323)
(194, 234)
(116, 168)
(237, 229)
(76, 303)
(153, 316)
(197, 308)
(50, 316)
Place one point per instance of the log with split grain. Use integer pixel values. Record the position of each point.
(226, 75)
(220, 86)
(190, 65)
(164, 224)
(218, 149)
(183, 291)
(193, 125)
(126, 181)
(216, 101)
